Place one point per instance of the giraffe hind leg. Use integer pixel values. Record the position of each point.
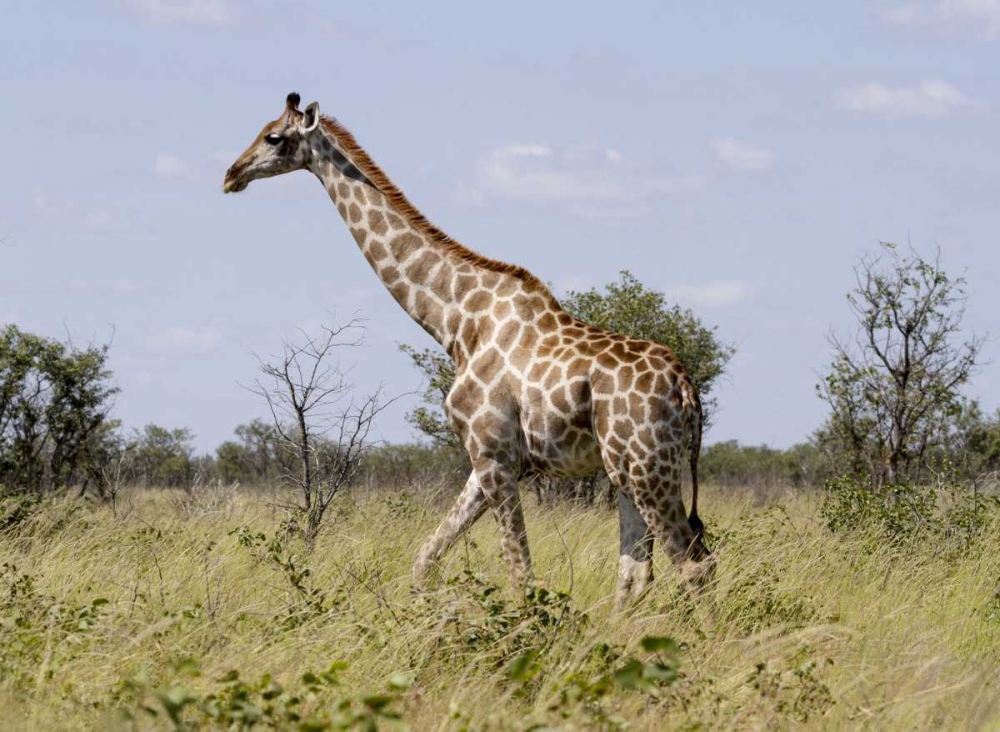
(635, 562)
(657, 495)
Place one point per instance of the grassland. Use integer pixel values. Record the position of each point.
(138, 618)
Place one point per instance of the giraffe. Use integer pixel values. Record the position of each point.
(535, 391)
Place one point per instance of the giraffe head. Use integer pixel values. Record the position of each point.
(281, 147)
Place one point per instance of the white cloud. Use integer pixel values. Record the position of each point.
(529, 172)
(588, 182)
(741, 156)
(930, 98)
(612, 155)
(124, 286)
(984, 14)
(468, 195)
(187, 340)
(103, 221)
(184, 12)
(714, 294)
(167, 165)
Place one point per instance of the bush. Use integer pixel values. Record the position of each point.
(901, 513)
(54, 404)
(316, 702)
(757, 601)
(896, 513)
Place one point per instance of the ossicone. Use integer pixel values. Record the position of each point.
(292, 102)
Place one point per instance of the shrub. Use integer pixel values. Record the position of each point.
(756, 601)
(314, 703)
(795, 691)
(38, 632)
(896, 513)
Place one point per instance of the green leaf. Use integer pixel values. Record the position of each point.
(521, 668)
(629, 676)
(376, 702)
(659, 644)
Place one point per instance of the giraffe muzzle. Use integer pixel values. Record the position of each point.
(234, 182)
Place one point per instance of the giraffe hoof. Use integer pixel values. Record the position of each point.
(697, 575)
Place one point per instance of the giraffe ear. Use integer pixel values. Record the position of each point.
(310, 118)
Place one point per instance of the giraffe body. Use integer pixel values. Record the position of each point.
(535, 391)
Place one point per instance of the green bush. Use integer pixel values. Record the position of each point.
(896, 513)
(16, 510)
(38, 633)
(756, 601)
(314, 703)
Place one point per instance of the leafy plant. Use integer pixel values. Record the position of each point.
(315, 703)
(487, 625)
(307, 601)
(756, 601)
(897, 513)
(606, 672)
(795, 691)
(37, 631)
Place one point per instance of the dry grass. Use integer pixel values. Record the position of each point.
(802, 629)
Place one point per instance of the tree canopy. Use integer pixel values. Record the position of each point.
(54, 404)
(894, 386)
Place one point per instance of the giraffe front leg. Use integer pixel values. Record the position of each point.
(635, 563)
(468, 507)
(500, 487)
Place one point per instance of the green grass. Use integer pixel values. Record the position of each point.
(803, 628)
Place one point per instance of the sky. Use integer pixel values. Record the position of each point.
(738, 157)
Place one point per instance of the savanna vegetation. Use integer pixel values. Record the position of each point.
(143, 586)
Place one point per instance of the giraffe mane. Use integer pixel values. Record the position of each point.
(350, 147)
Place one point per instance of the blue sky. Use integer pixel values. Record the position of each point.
(739, 158)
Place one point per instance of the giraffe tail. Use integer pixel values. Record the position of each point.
(696, 423)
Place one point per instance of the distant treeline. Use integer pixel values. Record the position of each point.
(257, 456)
(897, 414)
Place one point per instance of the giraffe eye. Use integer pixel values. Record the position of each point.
(273, 139)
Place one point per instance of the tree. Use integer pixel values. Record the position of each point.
(439, 375)
(626, 306)
(318, 419)
(162, 456)
(895, 385)
(257, 455)
(54, 405)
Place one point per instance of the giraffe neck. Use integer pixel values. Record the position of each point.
(439, 283)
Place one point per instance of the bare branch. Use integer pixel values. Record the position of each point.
(317, 418)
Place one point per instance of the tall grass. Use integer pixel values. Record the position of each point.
(138, 617)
